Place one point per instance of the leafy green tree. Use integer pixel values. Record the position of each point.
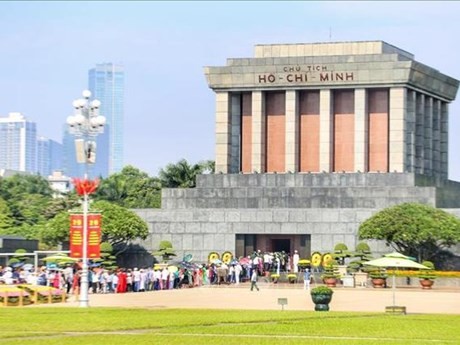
(165, 250)
(341, 253)
(29, 209)
(108, 260)
(6, 218)
(413, 229)
(16, 185)
(120, 226)
(27, 197)
(182, 174)
(130, 188)
(56, 205)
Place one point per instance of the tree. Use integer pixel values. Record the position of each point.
(63, 203)
(6, 219)
(182, 174)
(16, 185)
(165, 250)
(413, 229)
(27, 197)
(130, 188)
(120, 226)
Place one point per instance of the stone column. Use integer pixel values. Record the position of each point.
(292, 132)
(235, 138)
(410, 131)
(444, 140)
(258, 131)
(325, 130)
(361, 130)
(428, 137)
(419, 132)
(223, 132)
(436, 130)
(398, 98)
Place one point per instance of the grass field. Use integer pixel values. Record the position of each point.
(115, 326)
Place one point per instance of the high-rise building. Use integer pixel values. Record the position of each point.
(49, 156)
(18, 143)
(106, 83)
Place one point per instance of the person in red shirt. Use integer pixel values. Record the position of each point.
(122, 281)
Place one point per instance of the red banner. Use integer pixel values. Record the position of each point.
(76, 235)
(93, 238)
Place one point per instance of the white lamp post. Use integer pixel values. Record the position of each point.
(85, 124)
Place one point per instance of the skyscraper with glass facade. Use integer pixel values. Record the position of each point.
(106, 83)
(49, 156)
(18, 143)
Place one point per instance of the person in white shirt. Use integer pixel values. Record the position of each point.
(136, 279)
(238, 270)
(295, 261)
(164, 278)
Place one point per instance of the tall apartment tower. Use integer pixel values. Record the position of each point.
(49, 156)
(106, 83)
(18, 143)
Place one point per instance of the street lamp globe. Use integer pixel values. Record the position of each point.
(86, 94)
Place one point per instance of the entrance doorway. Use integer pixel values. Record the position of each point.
(247, 244)
(281, 245)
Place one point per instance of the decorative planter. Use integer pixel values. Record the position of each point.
(321, 301)
(330, 282)
(426, 283)
(378, 282)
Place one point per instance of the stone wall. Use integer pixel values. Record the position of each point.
(329, 207)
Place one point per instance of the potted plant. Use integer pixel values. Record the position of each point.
(378, 278)
(330, 274)
(275, 277)
(427, 277)
(303, 264)
(292, 277)
(321, 297)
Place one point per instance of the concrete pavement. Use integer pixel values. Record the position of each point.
(416, 300)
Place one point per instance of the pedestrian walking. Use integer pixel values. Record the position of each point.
(254, 280)
(306, 279)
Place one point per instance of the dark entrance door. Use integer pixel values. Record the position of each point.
(280, 245)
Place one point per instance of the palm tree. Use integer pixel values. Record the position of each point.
(182, 174)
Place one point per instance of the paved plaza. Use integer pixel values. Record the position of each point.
(438, 300)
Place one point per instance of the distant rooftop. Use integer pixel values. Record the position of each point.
(328, 48)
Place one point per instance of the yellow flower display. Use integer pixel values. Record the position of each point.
(327, 259)
(316, 259)
(227, 257)
(213, 256)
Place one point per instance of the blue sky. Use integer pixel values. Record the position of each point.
(47, 48)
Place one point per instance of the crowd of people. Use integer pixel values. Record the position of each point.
(160, 277)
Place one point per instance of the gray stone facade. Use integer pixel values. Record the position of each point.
(327, 207)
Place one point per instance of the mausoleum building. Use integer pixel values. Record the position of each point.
(311, 140)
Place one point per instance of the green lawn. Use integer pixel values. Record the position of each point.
(115, 326)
